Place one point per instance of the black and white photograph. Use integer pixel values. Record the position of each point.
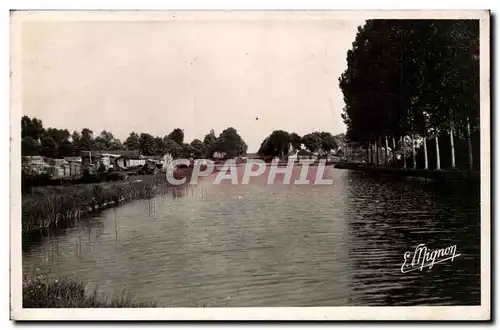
(250, 165)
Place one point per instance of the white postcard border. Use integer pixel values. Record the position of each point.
(482, 312)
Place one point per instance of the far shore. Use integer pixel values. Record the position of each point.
(434, 174)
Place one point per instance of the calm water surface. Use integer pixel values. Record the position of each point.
(277, 245)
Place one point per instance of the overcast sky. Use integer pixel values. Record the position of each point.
(155, 76)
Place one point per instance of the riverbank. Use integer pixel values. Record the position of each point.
(438, 175)
(41, 292)
(50, 207)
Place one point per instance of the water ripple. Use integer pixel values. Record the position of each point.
(279, 245)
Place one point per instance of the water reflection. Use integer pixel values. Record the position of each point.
(276, 245)
(389, 218)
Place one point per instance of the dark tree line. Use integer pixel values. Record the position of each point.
(412, 86)
(59, 143)
(279, 143)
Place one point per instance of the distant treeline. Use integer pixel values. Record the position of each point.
(60, 143)
(280, 143)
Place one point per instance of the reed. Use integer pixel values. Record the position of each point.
(58, 206)
(41, 292)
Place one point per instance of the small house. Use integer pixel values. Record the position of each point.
(303, 154)
(75, 166)
(111, 158)
(59, 168)
(219, 155)
(36, 164)
(129, 158)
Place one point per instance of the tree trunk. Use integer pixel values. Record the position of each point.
(369, 152)
(413, 150)
(386, 151)
(438, 157)
(380, 150)
(403, 146)
(376, 151)
(452, 145)
(393, 151)
(469, 144)
(426, 165)
(372, 155)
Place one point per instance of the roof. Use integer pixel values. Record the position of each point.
(124, 153)
(218, 154)
(33, 159)
(155, 157)
(73, 159)
(57, 161)
(111, 155)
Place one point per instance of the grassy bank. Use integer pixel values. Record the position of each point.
(41, 292)
(57, 206)
(439, 175)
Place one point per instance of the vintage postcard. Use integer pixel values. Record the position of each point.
(250, 165)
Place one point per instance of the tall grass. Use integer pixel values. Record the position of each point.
(42, 292)
(58, 206)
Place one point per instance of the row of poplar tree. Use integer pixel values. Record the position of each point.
(412, 87)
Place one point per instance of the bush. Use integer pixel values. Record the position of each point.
(30, 179)
(88, 177)
(115, 176)
(101, 168)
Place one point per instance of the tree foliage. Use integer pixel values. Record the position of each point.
(147, 144)
(172, 147)
(177, 135)
(277, 144)
(295, 141)
(209, 143)
(406, 76)
(312, 141)
(32, 128)
(132, 142)
(198, 149)
(280, 142)
(230, 143)
(411, 77)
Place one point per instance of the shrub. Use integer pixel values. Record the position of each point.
(115, 176)
(101, 168)
(88, 177)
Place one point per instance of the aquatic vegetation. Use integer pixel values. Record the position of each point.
(42, 292)
(59, 206)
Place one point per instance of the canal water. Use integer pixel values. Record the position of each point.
(261, 245)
